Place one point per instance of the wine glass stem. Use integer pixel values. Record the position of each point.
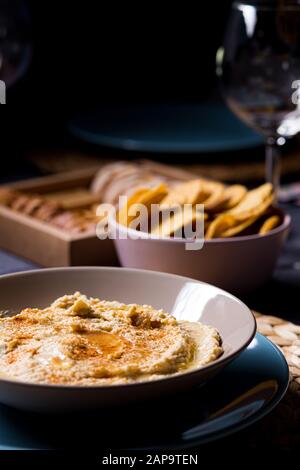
(273, 164)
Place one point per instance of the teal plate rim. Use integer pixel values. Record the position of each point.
(227, 426)
(255, 417)
(179, 136)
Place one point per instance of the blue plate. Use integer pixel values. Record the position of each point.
(166, 128)
(242, 393)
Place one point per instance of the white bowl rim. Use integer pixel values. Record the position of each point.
(215, 364)
(146, 236)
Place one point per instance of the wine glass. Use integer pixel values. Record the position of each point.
(259, 68)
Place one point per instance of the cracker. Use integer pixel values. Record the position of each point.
(177, 222)
(231, 232)
(190, 192)
(219, 225)
(232, 197)
(269, 224)
(144, 196)
(255, 203)
(214, 194)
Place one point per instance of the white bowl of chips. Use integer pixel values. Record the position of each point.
(243, 238)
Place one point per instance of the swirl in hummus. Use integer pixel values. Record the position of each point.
(86, 341)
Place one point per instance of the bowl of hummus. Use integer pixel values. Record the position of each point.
(82, 338)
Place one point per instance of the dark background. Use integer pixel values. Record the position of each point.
(83, 51)
(92, 52)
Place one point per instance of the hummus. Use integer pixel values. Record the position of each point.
(87, 341)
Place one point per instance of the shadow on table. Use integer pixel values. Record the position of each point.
(279, 297)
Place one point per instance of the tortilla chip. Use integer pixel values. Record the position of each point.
(260, 210)
(214, 194)
(190, 192)
(232, 196)
(269, 224)
(219, 225)
(255, 203)
(123, 218)
(231, 232)
(144, 196)
(154, 195)
(176, 222)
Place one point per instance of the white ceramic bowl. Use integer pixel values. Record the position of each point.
(185, 298)
(238, 264)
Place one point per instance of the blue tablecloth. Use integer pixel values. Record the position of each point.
(10, 263)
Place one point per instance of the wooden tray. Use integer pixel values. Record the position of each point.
(48, 245)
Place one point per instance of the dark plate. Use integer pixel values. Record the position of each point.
(241, 394)
(202, 128)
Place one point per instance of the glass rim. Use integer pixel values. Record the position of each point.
(267, 6)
